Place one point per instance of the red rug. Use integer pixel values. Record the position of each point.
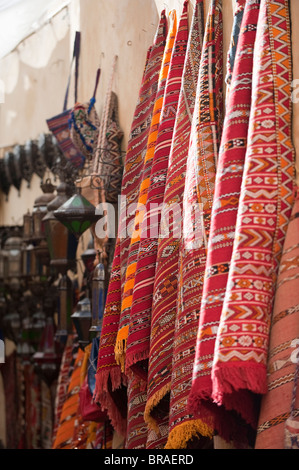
(108, 376)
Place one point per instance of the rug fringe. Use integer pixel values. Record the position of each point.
(151, 403)
(102, 377)
(184, 432)
(133, 358)
(229, 426)
(231, 378)
(117, 421)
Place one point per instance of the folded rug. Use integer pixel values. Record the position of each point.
(197, 200)
(222, 232)
(123, 329)
(108, 374)
(171, 218)
(266, 199)
(138, 344)
(278, 420)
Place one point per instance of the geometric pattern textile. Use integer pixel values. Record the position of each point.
(69, 414)
(127, 295)
(108, 371)
(168, 247)
(201, 166)
(280, 405)
(223, 220)
(141, 311)
(240, 359)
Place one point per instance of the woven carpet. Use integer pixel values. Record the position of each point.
(69, 414)
(108, 372)
(222, 233)
(278, 420)
(169, 238)
(197, 199)
(240, 356)
(121, 341)
(138, 343)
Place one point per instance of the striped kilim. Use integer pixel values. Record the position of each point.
(136, 428)
(62, 382)
(169, 239)
(108, 371)
(138, 344)
(222, 233)
(138, 434)
(197, 201)
(240, 356)
(69, 414)
(280, 405)
(123, 330)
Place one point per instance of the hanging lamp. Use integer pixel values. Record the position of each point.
(82, 321)
(77, 214)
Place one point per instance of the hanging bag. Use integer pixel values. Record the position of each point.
(59, 124)
(84, 124)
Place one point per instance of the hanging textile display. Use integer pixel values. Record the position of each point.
(278, 420)
(266, 199)
(199, 182)
(121, 340)
(146, 263)
(145, 267)
(166, 267)
(222, 233)
(182, 426)
(109, 376)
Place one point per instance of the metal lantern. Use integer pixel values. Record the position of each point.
(13, 249)
(12, 163)
(65, 307)
(3, 264)
(88, 256)
(25, 163)
(36, 157)
(46, 359)
(5, 179)
(62, 244)
(98, 298)
(27, 226)
(12, 323)
(77, 214)
(40, 209)
(31, 263)
(82, 321)
(48, 148)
